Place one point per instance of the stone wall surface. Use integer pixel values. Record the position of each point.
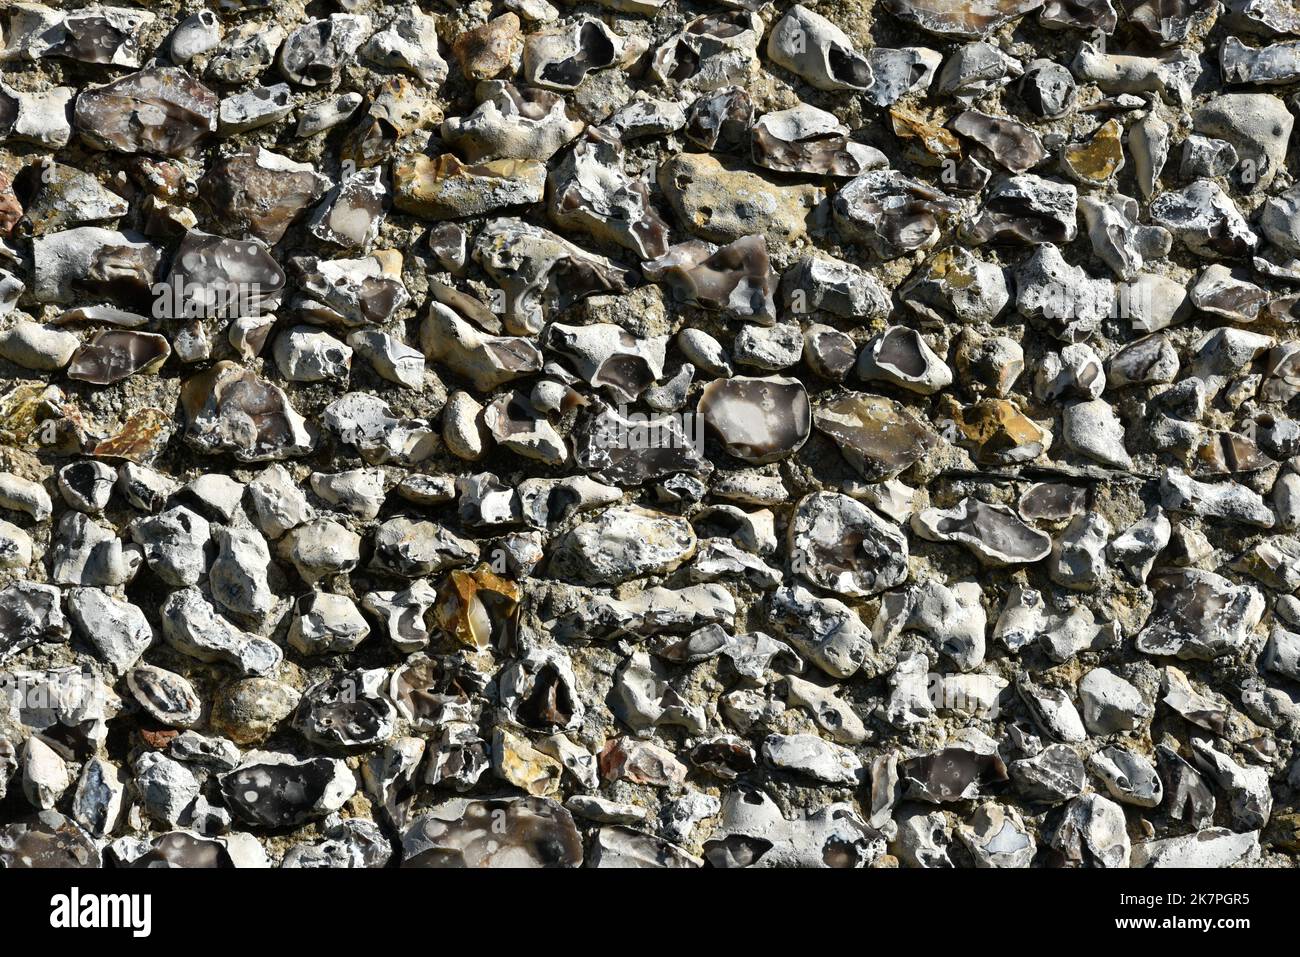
(649, 433)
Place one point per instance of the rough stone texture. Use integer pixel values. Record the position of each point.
(976, 564)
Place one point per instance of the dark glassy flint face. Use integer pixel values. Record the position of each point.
(279, 795)
(162, 110)
(112, 355)
(520, 832)
(45, 841)
(341, 711)
(179, 849)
